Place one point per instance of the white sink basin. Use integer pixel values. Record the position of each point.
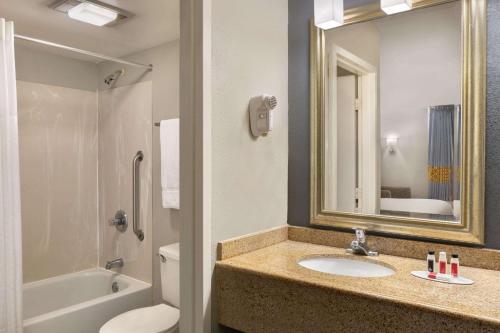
(346, 267)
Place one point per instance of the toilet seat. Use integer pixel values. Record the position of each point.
(154, 319)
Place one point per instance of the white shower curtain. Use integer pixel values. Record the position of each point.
(10, 205)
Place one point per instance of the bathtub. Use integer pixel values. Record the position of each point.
(80, 302)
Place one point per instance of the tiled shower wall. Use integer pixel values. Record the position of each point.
(58, 154)
(125, 127)
(165, 92)
(62, 231)
(65, 143)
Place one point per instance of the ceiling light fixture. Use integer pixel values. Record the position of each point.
(91, 11)
(395, 6)
(328, 14)
(92, 14)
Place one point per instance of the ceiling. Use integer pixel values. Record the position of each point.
(155, 22)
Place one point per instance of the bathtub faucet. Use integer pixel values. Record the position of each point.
(114, 263)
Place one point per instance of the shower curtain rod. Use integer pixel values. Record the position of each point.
(89, 53)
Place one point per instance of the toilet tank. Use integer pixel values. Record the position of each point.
(169, 270)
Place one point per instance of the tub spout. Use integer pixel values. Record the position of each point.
(114, 263)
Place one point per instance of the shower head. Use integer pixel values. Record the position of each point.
(110, 79)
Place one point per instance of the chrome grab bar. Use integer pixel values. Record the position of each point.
(136, 195)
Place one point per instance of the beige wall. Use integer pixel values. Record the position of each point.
(125, 128)
(249, 176)
(36, 64)
(166, 223)
(362, 39)
(250, 57)
(165, 79)
(58, 153)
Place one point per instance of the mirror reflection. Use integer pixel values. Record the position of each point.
(392, 125)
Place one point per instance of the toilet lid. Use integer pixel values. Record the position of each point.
(154, 319)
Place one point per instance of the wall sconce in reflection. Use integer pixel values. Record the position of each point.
(391, 142)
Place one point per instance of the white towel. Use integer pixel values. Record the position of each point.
(169, 143)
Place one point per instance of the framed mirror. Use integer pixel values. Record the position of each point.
(398, 118)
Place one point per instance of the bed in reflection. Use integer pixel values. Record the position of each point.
(397, 201)
(420, 208)
(424, 206)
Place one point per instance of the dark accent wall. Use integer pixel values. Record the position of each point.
(300, 12)
(493, 128)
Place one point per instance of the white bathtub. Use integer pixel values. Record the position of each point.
(80, 302)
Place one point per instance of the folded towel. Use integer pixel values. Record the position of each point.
(169, 143)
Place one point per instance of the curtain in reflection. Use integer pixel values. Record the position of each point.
(10, 198)
(441, 150)
(457, 151)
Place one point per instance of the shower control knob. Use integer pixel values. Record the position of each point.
(119, 221)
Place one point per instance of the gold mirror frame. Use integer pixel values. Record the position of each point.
(471, 227)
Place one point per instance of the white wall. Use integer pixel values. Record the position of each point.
(420, 63)
(250, 57)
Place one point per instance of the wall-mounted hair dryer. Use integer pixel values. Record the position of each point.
(261, 118)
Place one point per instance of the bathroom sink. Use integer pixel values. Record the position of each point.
(346, 267)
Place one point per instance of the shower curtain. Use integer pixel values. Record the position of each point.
(441, 150)
(10, 205)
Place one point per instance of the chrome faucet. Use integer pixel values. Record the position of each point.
(114, 263)
(359, 245)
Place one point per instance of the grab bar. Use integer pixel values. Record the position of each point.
(136, 195)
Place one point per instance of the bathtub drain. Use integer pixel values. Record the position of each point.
(114, 287)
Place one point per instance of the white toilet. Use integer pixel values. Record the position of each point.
(160, 318)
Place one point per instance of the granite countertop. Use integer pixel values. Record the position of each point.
(479, 301)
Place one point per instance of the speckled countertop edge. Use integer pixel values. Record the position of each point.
(307, 278)
(415, 305)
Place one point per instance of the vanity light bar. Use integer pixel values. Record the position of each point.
(395, 6)
(328, 14)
